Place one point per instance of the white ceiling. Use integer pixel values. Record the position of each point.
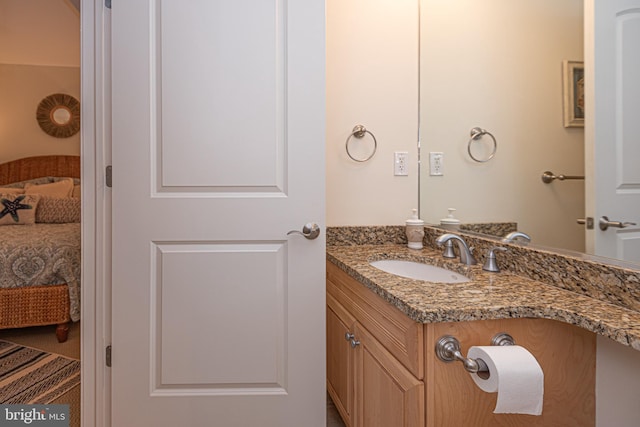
(40, 32)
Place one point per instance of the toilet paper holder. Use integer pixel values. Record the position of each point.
(448, 350)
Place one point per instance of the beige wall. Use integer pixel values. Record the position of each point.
(39, 32)
(372, 79)
(505, 77)
(22, 88)
(617, 384)
(39, 56)
(496, 64)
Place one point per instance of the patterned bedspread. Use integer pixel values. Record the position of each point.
(42, 254)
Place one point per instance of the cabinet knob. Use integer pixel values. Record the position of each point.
(354, 343)
(349, 336)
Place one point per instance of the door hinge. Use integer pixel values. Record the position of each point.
(107, 356)
(109, 176)
(107, 4)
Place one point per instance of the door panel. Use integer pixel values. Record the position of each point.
(628, 245)
(612, 31)
(212, 283)
(241, 58)
(218, 152)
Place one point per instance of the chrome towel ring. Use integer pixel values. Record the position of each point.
(476, 134)
(359, 131)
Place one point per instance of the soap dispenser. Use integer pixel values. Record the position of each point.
(414, 230)
(450, 222)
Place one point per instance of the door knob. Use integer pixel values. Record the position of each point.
(310, 230)
(605, 223)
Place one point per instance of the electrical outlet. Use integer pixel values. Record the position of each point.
(400, 163)
(436, 160)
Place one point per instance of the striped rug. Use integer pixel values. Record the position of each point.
(32, 376)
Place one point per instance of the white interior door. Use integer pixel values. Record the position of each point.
(612, 133)
(218, 152)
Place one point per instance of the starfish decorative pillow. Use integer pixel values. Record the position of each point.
(18, 208)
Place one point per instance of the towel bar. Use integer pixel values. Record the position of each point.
(548, 177)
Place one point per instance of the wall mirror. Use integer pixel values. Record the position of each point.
(59, 115)
(498, 65)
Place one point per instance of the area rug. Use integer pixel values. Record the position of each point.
(31, 376)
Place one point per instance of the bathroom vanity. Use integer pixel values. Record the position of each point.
(382, 329)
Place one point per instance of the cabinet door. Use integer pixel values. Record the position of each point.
(387, 394)
(340, 372)
(565, 353)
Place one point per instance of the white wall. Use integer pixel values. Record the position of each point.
(617, 385)
(372, 79)
(497, 64)
(39, 56)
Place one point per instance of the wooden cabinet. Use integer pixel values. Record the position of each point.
(392, 377)
(368, 383)
(386, 393)
(565, 352)
(340, 359)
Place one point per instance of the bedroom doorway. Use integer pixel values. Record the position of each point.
(40, 62)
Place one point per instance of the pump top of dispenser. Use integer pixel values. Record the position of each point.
(414, 220)
(450, 221)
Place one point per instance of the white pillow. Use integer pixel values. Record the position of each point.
(11, 190)
(77, 191)
(62, 188)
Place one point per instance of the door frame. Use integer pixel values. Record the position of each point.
(95, 152)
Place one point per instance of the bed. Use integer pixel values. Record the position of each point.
(40, 262)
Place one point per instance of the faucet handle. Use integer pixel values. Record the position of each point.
(490, 264)
(471, 260)
(448, 250)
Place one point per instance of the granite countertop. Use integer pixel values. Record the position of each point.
(487, 296)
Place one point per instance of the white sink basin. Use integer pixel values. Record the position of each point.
(419, 271)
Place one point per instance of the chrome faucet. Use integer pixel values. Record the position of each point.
(509, 238)
(465, 253)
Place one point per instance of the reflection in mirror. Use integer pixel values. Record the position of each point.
(497, 65)
(60, 115)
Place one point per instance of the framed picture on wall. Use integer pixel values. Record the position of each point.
(573, 88)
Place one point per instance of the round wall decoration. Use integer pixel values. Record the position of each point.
(59, 115)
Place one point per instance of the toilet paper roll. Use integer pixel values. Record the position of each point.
(515, 374)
